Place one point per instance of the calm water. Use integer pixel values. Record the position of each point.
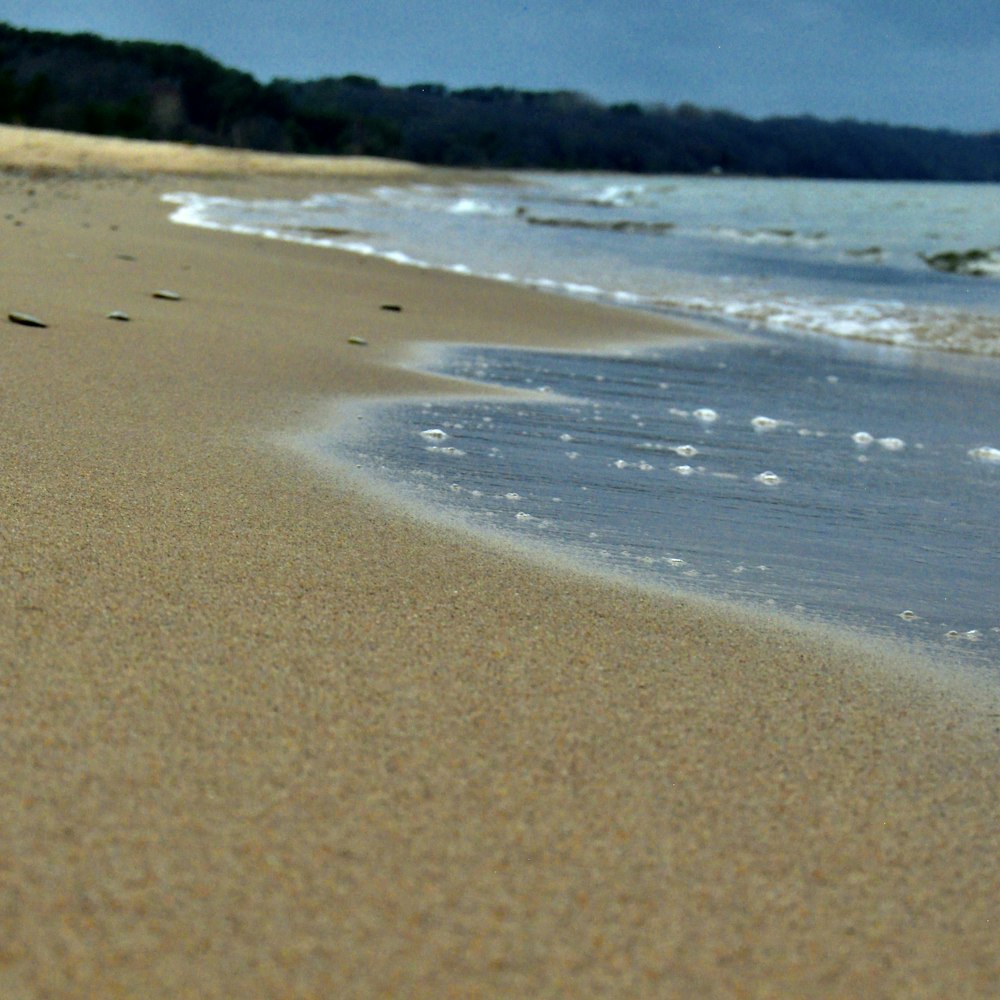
(843, 459)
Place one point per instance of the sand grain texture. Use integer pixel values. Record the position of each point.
(261, 736)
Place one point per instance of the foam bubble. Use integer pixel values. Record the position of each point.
(434, 434)
(706, 415)
(986, 454)
(685, 450)
(764, 423)
(683, 470)
(769, 479)
(892, 443)
(862, 438)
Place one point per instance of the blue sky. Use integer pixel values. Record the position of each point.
(920, 62)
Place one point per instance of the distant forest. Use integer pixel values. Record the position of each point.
(148, 90)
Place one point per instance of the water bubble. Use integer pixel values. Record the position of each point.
(764, 423)
(862, 438)
(565, 437)
(512, 496)
(768, 478)
(892, 443)
(434, 434)
(620, 464)
(522, 516)
(683, 470)
(907, 616)
(706, 415)
(991, 455)
(685, 450)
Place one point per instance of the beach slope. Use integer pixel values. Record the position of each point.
(263, 736)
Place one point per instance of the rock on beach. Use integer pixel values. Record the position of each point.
(26, 319)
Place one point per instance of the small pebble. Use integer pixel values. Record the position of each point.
(360, 341)
(165, 293)
(117, 314)
(26, 319)
(389, 307)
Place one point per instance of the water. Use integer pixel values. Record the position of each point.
(841, 460)
(844, 259)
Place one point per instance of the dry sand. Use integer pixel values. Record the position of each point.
(261, 736)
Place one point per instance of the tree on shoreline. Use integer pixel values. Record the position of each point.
(149, 90)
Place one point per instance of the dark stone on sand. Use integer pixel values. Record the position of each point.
(358, 341)
(26, 319)
(389, 307)
(117, 314)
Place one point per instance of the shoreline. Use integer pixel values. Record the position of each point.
(264, 734)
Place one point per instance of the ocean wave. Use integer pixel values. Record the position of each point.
(768, 235)
(876, 322)
(617, 196)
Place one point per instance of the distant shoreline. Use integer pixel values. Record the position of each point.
(147, 90)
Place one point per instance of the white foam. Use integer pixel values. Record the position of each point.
(892, 443)
(986, 454)
(764, 423)
(706, 415)
(434, 434)
(768, 479)
(863, 438)
(449, 450)
(474, 206)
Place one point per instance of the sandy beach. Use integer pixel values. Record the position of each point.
(263, 736)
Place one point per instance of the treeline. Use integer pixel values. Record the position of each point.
(152, 91)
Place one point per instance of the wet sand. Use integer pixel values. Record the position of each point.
(262, 735)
